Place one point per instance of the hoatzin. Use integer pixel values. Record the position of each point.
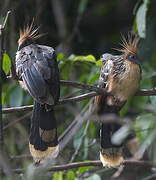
(120, 77)
(38, 73)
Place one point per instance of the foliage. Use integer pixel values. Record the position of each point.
(83, 65)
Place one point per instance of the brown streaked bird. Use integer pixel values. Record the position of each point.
(120, 76)
(37, 69)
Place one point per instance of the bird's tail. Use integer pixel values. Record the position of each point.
(43, 140)
(111, 155)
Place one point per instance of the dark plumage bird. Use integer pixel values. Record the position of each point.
(120, 76)
(37, 69)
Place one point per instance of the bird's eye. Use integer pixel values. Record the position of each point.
(131, 57)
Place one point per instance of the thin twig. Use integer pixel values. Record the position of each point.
(17, 120)
(17, 109)
(80, 143)
(23, 156)
(1, 57)
(5, 165)
(90, 163)
(82, 86)
(2, 27)
(6, 19)
(74, 127)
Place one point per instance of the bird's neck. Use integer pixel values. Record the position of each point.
(25, 43)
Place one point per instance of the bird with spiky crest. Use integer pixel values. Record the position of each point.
(120, 76)
(38, 72)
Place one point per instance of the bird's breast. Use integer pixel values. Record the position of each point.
(126, 84)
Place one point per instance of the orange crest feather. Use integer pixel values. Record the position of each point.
(29, 32)
(129, 44)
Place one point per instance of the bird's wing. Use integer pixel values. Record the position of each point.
(106, 70)
(33, 67)
(110, 69)
(54, 80)
(113, 66)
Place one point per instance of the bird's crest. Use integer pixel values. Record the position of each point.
(129, 44)
(29, 32)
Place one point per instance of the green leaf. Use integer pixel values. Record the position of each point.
(6, 63)
(141, 19)
(92, 130)
(99, 63)
(58, 176)
(93, 78)
(84, 169)
(70, 175)
(89, 58)
(60, 57)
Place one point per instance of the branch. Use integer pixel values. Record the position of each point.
(82, 86)
(63, 101)
(76, 98)
(80, 143)
(90, 163)
(101, 91)
(17, 109)
(146, 92)
(2, 28)
(98, 90)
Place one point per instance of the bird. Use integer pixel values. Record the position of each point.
(120, 77)
(38, 73)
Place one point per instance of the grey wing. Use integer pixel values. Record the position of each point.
(54, 81)
(33, 67)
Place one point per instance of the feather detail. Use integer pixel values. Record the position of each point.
(129, 44)
(30, 32)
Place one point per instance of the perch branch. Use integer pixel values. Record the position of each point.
(63, 101)
(77, 98)
(82, 86)
(90, 163)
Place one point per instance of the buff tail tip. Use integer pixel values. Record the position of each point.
(40, 156)
(111, 160)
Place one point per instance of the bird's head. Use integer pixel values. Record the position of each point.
(28, 35)
(129, 48)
